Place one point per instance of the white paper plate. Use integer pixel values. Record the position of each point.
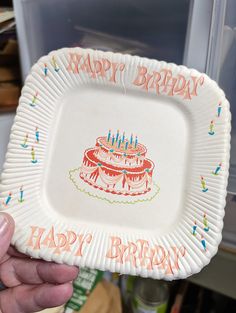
(153, 206)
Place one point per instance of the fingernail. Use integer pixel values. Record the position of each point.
(3, 224)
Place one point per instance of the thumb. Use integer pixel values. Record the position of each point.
(7, 226)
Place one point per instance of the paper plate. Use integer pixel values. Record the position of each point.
(118, 163)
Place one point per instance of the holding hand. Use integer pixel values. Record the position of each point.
(31, 285)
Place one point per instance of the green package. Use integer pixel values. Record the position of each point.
(83, 285)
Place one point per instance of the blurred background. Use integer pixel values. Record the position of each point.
(200, 34)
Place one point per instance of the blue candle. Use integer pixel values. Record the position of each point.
(119, 143)
(8, 198)
(131, 139)
(136, 142)
(117, 135)
(37, 134)
(113, 139)
(126, 145)
(123, 137)
(21, 194)
(109, 136)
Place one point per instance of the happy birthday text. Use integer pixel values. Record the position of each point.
(58, 242)
(94, 67)
(165, 82)
(141, 254)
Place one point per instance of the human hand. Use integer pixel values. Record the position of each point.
(32, 285)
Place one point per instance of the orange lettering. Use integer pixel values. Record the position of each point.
(36, 233)
(83, 239)
(141, 78)
(49, 240)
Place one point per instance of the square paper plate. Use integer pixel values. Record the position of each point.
(118, 163)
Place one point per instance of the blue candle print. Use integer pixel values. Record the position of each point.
(126, 145)
(203, 241)
(217, 170)
(8, 199)
(194, 228)
(117, 135)
(21, 195)
(37, 135)
(45, 70)
(109, 135)
(219, 110)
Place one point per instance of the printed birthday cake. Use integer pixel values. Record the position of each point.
(117, 165)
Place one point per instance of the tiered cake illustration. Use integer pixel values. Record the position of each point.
(118, 165)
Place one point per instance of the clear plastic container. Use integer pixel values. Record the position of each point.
(149, 296)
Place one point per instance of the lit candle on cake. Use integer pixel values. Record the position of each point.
(131, 139)
(123, 137)
(126, 145)
(109, 135)
(136, 142)
(113, 140)
(117, 135)
(119, 143)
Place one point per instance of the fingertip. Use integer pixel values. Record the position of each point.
(74, 272)
(9, 219)
(59, 294)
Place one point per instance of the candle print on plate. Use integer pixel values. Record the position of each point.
(116, 170)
